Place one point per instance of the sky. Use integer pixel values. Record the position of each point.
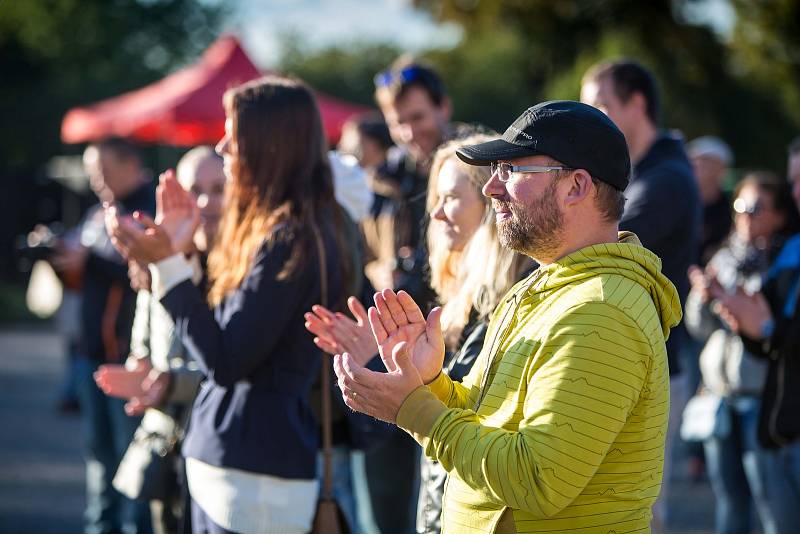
(320, 23)
(260, 23)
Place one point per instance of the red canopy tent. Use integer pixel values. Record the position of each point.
(185, 108)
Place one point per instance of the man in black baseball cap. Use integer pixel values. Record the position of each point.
(561, 139)
(572, 385)
(573, 133)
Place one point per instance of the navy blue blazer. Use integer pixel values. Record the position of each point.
(252, 411)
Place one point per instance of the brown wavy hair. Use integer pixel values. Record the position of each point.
(281, 178)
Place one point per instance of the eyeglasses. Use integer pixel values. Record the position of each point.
(505, 170)
(742, 208)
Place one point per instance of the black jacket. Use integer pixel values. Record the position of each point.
(664, 210)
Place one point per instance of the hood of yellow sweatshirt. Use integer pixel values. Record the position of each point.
(626, 258)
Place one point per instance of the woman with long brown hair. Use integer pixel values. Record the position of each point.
(252, 441)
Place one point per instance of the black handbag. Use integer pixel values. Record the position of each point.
(148, 469)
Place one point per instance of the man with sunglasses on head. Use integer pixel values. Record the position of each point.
(414, 102)
(417, 110)
(560, 424)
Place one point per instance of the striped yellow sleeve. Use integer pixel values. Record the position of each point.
(453, 394)
(589, 372)
(419, 413)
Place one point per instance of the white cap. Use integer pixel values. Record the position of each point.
(708, 145)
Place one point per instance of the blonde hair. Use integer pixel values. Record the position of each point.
(461, 287)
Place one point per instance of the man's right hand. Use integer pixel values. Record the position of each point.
(396, 318)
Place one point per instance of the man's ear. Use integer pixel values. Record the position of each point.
(638, 102)
(581, 187)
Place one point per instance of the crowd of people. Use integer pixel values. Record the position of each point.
(507, 326)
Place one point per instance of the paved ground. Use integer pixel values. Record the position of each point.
(41, 470)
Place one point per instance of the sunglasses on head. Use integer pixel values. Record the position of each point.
(406, 75)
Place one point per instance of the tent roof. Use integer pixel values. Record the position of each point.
(185, 108)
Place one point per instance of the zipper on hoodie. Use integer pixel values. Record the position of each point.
(505, 326)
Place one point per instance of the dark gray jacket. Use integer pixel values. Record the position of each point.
(665, 211)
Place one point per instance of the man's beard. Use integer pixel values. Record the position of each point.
(533, 230)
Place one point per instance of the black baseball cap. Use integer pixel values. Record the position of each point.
(575, 134)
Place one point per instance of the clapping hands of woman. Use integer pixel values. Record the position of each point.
(142, 239)
(335, 333)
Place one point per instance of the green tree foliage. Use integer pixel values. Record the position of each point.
(344, 70)
(732, 88)
(766, 49)
(744, 87)
(55, 54)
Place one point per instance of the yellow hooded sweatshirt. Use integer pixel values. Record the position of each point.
(560, 425)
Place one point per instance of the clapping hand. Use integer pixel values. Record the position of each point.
(395, 319)
(176, 212)
(411, 347)
(335, 333)
(142, 239)
(705, 283)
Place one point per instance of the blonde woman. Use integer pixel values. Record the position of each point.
(470, 272)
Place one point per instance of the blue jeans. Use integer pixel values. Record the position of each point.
(343, 492)
(744, 474)
(108, 431)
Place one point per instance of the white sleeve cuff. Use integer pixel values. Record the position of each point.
(168, 273)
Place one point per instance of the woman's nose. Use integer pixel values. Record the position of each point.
(222, 146)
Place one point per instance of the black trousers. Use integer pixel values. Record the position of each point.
(393, 480)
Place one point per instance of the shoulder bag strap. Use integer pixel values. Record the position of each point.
(327, 424)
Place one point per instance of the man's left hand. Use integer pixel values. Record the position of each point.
(377, 394)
